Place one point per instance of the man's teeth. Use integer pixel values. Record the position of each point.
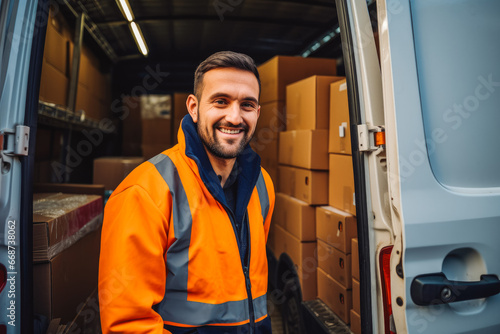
(230, 131)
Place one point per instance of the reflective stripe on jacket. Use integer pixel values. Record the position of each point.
(170, 257)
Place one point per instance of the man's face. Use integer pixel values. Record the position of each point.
(227, 112)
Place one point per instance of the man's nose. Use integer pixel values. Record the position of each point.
(233, 114)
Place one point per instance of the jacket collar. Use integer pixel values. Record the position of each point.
(248, 164)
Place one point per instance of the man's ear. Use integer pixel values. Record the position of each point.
(192, 107)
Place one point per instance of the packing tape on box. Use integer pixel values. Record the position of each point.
(91, 226)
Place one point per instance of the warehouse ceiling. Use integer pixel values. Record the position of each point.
(181, 33)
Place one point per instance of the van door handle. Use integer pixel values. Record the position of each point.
(433, 289)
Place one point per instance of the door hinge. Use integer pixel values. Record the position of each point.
(371, 138)
(14, 142)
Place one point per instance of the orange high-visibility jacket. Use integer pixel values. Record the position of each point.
(170, 258)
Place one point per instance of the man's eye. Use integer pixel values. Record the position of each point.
(248, 106)
(220, 102)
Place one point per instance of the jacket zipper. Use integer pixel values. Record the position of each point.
(245, 266)
(247, 278)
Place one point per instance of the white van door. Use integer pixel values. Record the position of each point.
(441, 86)
(18, 89)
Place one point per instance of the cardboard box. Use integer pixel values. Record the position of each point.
(336, 227)
(335, 263)
(355, 322)
(304, 184)
(308, 103)
(88, 319)
(156, 131)
(53, 85)
(110, 171)
(295, 216)
(341, 187)
(86, 75)
(340, 126)
(56, 50)
(272, 120)
(303, 256)
(94, 88)
(91, 76)
(355, 258)
(304, 148)
(63, 283)
(89, 103)
(356, 296)
(280, 71)
(338, 298)
(58, 218)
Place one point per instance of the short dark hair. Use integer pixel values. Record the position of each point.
(223, 59)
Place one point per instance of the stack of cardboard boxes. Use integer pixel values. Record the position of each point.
(94, 85)
(336, 223)
(275, 75)
(93, 93)
(335, 230)
(341, 188)
(303, 173)
(314, 220)
(66, 243)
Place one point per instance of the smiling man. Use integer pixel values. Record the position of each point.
(184, 235)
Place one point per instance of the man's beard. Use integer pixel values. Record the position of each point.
(215, 147)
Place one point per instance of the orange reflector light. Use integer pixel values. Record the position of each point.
(385, 275)
(379, 138)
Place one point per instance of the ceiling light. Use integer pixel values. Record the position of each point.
(139, 38)
(125, 8)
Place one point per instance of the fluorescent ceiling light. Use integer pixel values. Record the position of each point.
(139, 38)
(125, 7)
(136, 30)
